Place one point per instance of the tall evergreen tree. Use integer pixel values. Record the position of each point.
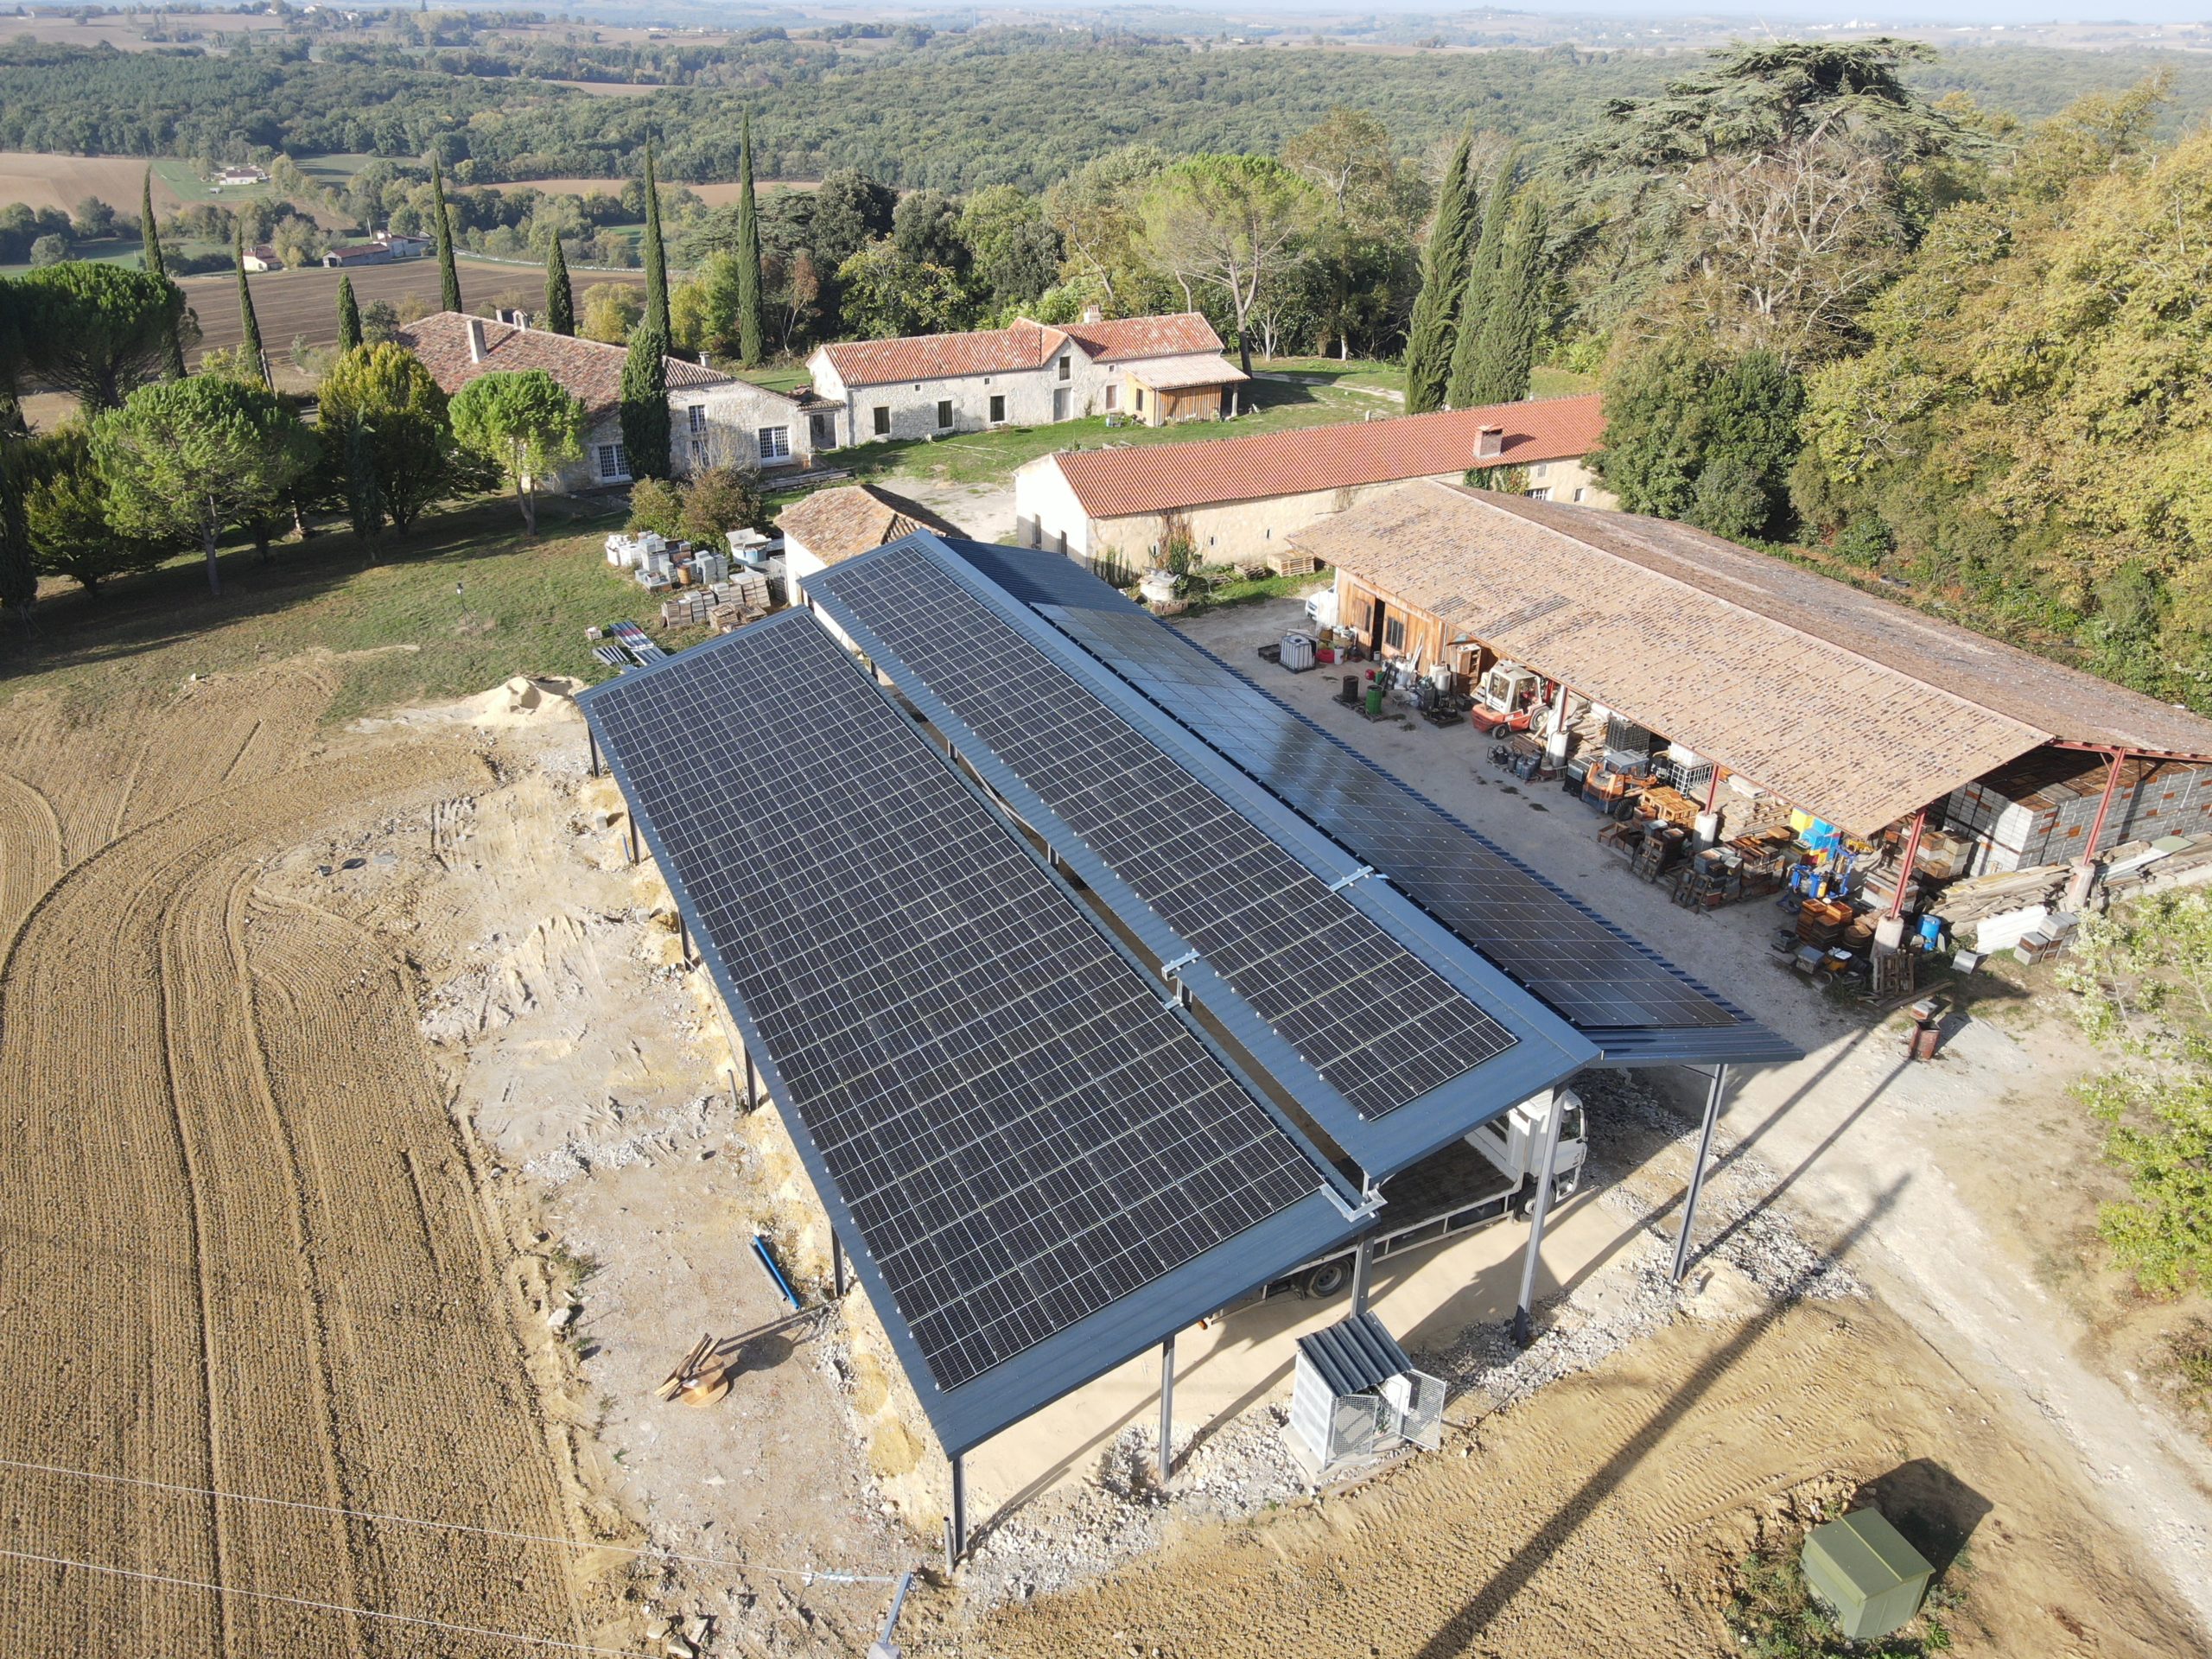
(1506, 353)
(645, 402)
(349, 316)
(1481, 292)
(749, 256)
(655, 256)
(18, 571)
(448, 276)
(150, 234)
(249, 325)
(364, 489)
(560, 298)
(1443, 273)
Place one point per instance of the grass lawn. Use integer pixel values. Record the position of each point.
(399, 632)
(337, 167)
(991, 457)
(777, 377)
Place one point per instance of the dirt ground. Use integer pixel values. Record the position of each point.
(247, 1253)
(62, 182)
(386, 1155)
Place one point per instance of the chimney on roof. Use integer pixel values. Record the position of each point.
(513, 316)
(1489, 442)
(1093, 314)
(476, 340)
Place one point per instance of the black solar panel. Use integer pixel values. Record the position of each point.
(1019, 1129)
(1592, 974)
(1365, 1013)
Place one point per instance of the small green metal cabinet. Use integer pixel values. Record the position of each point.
(1862, 1567)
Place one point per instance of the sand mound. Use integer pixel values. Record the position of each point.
(525, 701)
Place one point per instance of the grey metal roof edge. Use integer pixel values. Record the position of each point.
(1750, 1044)
(952, 1413)
(1488, 845)
(1355, 1354)
(1546, 1048)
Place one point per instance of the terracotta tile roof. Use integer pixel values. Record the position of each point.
(1114, 483)
(590, 369)
(1025, 345)
(1121, 340)
(355, 252)
(943, 357)
(1178, 373)
(1851, 706)
(838, 523)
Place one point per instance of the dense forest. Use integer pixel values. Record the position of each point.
(958, 112)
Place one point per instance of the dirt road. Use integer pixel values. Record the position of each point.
(245, 1255)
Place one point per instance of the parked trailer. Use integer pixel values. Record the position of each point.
(1479, 1180)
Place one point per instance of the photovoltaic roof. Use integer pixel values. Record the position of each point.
(1043, 1165)
(1391, 1036)
(1637, 1007)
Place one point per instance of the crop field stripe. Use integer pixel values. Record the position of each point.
(230, 1132)
(223, 1592)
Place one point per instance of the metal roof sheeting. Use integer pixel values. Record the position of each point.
(1355, 1355)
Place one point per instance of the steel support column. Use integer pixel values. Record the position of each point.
(955, 1529)
(683, 937)
(1522, 1336)
(1363, 1269)
(1712, 1094)
(633, 836)
(1905, 868)
(752, 1083)
(592, 737)
(2085, 873)
(838, 1277)
(1167, 1409)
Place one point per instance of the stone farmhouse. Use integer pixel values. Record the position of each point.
(716, 420)
(1149, 370)
(1239, 500)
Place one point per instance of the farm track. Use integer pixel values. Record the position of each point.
(244, 1251)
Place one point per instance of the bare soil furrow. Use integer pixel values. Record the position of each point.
(218, 1277)
(30, 853)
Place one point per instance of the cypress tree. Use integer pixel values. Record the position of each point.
(364, 493)
(1481, 291)
(18, 571)
(448, 278)
(349, 316)
(645, 402)
(1443, 272)
(1507, 351)
(150, 234)
(656, 258)
(249, 325)
(749, 256)
(560, 298)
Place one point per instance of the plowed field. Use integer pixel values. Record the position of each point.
(245, 1259)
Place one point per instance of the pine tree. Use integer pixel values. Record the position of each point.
(150, 233)
(560, 298)
(1481, 291)
(448, 278)
(1507, 351)
(748, 257)
(249, 325)
(1443, 272)
(656, 258)
(349, 316)
(645, 402)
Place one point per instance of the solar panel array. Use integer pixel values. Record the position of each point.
(1022, 1132)
(1369, 1016)
(1591, 973)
